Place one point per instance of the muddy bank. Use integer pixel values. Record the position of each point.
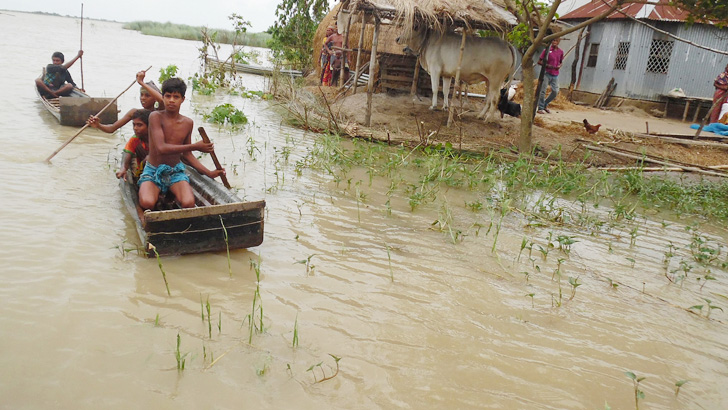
(403, 119)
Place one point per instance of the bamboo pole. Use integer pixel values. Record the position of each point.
(358, 51)
(574, 64)
(81, 48)
(415, 77)
(372, 72)
(344, 52)
(68, 141)
(655, 161)
(456, 86)
(707, 117)
(205, 138)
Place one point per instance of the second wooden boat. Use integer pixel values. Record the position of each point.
(75, 109)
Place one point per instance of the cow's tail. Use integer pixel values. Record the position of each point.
(514, 67)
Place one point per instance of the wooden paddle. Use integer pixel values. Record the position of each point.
(81, 48)
(205, 138)
(68, 141)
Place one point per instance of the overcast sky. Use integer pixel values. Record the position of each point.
(210, 13)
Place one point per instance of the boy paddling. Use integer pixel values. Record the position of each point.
(149, 95)
(170, 135)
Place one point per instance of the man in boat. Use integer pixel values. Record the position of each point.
(138, 146)
(56, 80)
(149, 96)
(170, 136)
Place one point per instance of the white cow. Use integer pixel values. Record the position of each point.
(488, 59)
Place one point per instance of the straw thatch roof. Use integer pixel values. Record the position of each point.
(475, 14)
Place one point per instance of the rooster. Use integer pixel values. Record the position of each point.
(591, 129)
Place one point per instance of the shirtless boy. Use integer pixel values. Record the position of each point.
(170, 135)
(56, 79)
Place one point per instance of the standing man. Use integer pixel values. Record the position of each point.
(556, 57)
(721, 92)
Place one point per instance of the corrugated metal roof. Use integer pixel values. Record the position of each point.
(659, 11)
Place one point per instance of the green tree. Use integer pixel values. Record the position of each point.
(704, 10)
(292, 41)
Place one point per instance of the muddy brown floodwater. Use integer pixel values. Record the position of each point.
(415, 319)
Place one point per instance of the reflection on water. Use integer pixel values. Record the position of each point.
(417, 320)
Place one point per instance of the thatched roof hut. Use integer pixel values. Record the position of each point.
(400, 16)
(393, 18)
(472, 14)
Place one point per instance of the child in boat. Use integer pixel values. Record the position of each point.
(138, 146)
(149, 95)
(56, 80)
(170, 135)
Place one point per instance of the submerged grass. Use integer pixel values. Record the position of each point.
(523, 185)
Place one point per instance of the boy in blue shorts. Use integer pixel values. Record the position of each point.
(170, 135)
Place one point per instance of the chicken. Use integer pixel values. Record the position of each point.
(591, 129)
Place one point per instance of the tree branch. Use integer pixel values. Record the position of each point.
(725, 53)
(595, 19)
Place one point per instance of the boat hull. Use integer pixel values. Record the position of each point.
(75, 109)
(221, 221)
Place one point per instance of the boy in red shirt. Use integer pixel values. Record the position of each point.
(138, 146)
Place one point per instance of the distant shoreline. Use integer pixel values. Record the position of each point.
(56, 15)
(186, 32)
(170, 30)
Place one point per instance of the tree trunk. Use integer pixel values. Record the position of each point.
(524, 142)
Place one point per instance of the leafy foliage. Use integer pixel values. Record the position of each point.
(216, 76)
(226, 114)
(701, 10)
(292, 42)
(167, 72)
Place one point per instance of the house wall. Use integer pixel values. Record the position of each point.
(690, 68)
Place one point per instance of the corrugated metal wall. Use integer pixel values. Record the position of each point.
(691, 68)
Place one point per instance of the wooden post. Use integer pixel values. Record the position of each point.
(344, 55)
(358, 50)
(574, 64)
(707, 117)
(687, 107)
(584, 56)
(416, 77)
(372, 72)
(456, 86)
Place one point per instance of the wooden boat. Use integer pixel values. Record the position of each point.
(220, 221)
(253, 69)
(75, 109)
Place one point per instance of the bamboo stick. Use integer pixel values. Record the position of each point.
(81, 48)
(456, 86)
(653, 160)
(372, 72)
(344, 52)
(68, 141)
(357, 73)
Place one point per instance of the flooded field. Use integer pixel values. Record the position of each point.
(388, 278)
